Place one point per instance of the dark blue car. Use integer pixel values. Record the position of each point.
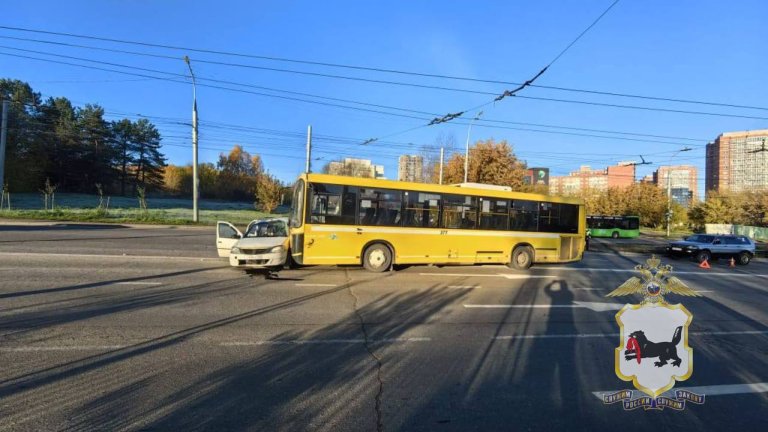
(706, 246)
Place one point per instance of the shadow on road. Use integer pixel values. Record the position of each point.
(335, 384)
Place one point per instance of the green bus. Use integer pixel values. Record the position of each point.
(613, 226)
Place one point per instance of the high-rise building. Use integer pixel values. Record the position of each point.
(410, 168)
(737, 161)
(356, 168)
(620, 175)
(682, 182)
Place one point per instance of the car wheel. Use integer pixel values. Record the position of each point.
(522, 258)
(703, 256)
(615, 234)
(289, 262)
(744, 258)
(377, 258)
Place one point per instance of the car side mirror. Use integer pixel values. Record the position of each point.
(236, 236)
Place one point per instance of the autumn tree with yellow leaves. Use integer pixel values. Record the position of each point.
(490, 162)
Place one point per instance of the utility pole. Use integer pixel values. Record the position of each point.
(466, 154)
(195, 180)
(309, 148)
(3, 137)
(442, 150)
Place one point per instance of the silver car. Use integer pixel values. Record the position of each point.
(703, 247)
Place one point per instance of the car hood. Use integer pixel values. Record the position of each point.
(260, 242)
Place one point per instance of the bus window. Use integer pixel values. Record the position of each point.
(421, 210)
(380, 207)
(494, 214)
(558, 218)
(459, 211)
(524, 216)
(634, 223)
(325, 203)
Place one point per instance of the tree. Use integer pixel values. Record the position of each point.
(268, 191)
(149, 160)
(74, 147)
(489, 163)
(25, 156)
(124, 147)
(431, 156)
(237, 174)
(177, 180)
(96, 146)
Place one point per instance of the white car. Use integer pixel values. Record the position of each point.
(263, 246)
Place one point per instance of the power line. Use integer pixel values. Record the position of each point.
(369, 69)
(435, 120)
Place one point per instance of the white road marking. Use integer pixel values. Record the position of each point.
(711, 390)
(504, 275)
(61, 348)
(315, 285)
(630, 270)
(602, 335)
(557, 336)
(99, 256)
(595, 306)
(137, 283)
(465, 286)
(502, 306)
(325, 341)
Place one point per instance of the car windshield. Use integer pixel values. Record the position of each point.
(272, 228)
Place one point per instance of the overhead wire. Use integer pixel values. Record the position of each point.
(374, 69)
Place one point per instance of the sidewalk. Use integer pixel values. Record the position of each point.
(48, 223)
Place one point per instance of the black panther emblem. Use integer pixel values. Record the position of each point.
(639, 347)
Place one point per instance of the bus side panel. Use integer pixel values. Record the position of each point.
(331, 244)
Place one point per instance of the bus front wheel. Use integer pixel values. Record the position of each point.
(615, 234)
(377, 258)
(522, 258)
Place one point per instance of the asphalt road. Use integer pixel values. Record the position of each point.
(166, 337)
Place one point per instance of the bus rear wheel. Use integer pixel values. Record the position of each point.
(522, 258)
(377, 258)
(615, 234)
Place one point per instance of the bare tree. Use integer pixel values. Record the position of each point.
(431, 155)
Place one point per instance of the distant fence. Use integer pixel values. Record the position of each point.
(756, 233)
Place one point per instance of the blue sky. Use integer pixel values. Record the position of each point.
(699, 50)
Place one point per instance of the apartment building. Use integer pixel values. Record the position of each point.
(410, 168)
(356, 168)
(681, 180)
(619, 175)
(737, 161)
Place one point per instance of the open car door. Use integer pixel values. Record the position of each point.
(226, 237)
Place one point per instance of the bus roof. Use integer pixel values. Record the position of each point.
(427, 187)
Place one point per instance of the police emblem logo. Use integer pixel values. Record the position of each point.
(653, 350)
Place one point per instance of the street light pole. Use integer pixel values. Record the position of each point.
(195, 181)
(466, 154)
(669, 188)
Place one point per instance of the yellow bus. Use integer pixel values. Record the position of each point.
(339, 220)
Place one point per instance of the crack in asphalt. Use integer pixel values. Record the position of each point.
(379, 365)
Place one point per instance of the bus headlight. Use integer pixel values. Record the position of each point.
(277, 249)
